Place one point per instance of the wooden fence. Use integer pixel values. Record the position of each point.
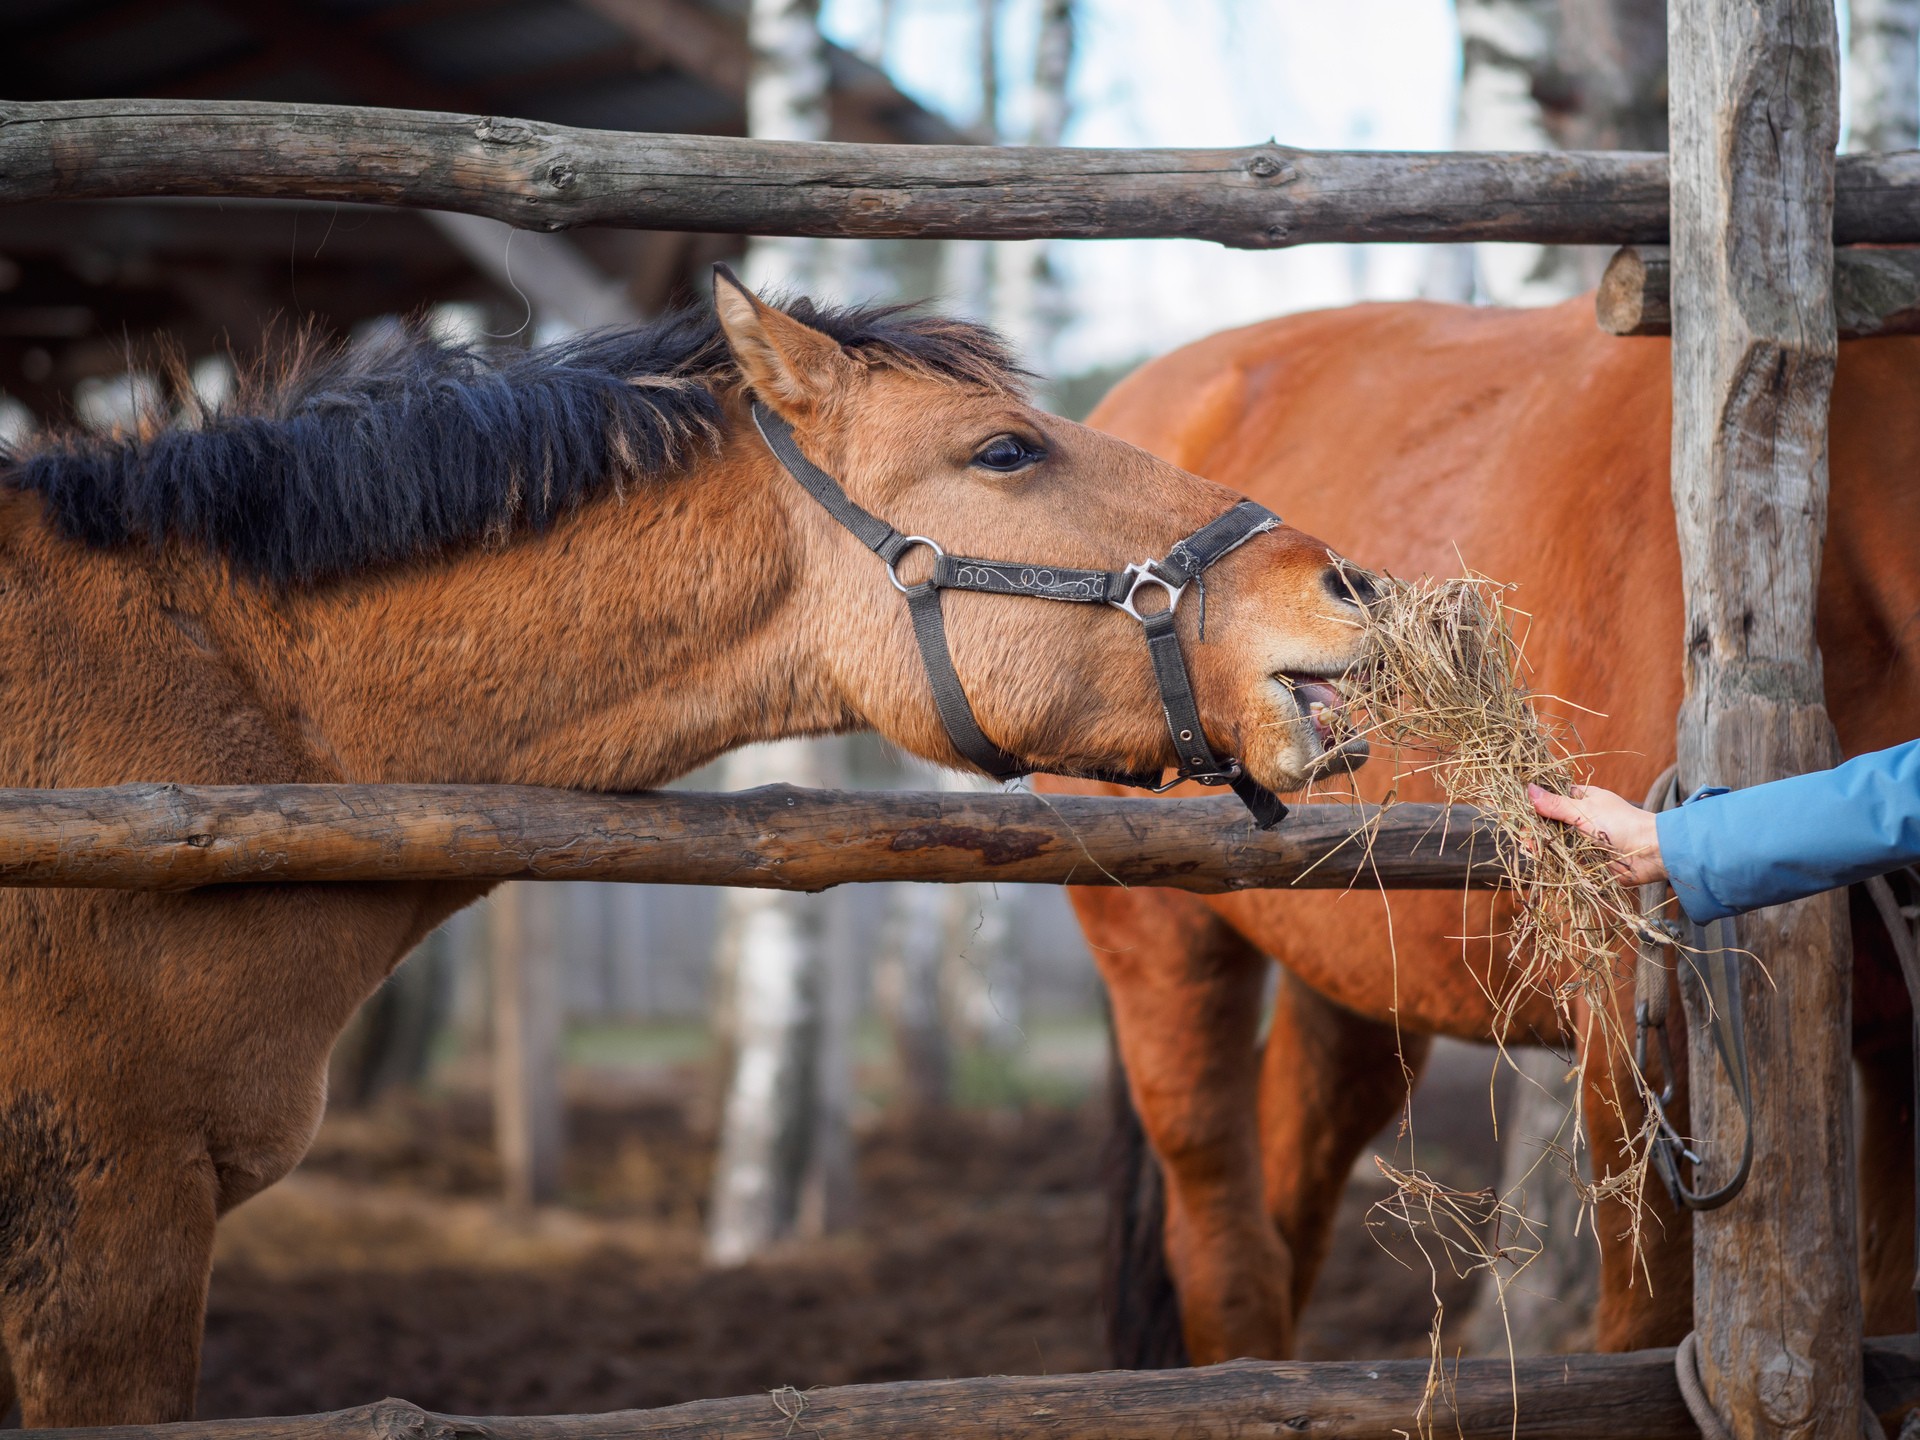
(1754, 204)
(175, 837)
(1552, 1397)
(547, 177)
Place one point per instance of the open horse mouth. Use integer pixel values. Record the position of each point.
(1321, 703)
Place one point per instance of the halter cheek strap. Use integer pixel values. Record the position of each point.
(1183, 565)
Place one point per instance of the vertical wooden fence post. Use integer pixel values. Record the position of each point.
(528, 1115)
(1755, 119)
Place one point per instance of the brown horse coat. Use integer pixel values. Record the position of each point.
(162, 1057)
(1533, 448)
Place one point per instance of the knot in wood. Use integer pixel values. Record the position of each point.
(493, 130)
(1265, 167)
(561, 174)
(392, 1419)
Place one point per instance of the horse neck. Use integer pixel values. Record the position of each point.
(648, 632)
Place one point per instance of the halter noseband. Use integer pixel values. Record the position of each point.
(1184, 563)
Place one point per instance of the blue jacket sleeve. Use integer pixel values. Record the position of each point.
(1729, 851)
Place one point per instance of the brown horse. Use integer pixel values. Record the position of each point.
(1533, 448)
(577, 567)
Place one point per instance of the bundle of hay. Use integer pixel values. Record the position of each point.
(1445, 689)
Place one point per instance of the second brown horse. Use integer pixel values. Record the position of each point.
(1533, 448)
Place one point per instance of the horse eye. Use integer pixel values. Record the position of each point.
(1006, 453)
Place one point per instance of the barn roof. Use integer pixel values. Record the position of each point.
(81, 281)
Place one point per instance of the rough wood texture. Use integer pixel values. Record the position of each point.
(1875, 292)
(548, 177)
(1755, 118)
(1563, 1397)
(540, 176)
(173, 837)
(1635, 297)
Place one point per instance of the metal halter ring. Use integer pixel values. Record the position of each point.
(909, 541)
(1143, 574)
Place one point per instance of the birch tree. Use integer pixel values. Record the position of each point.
(1883, 75)
(1507, 55)
(1029, 303)
(785, 1159)
(947, 961)
(1550, 75)
(787, 98)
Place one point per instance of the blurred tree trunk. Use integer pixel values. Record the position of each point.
(787, 99)
(528, 1108)
(1029, 303)
(785, 1157)
(1883, 75)
(1609, 87)
(879, 44)
(949, 974)
(908, 989)
(1508, 70)
(987, 17)
(1551, 75)
(788, 1043)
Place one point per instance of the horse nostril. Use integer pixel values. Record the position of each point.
(1351, 584)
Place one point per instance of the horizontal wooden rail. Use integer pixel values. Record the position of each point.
(548, 177)
(1875, 292)
(1560, 1397)
(170, 837)
(541, 176)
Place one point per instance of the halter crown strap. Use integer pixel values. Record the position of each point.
(923, 600)
(869, 529)
(1183, 565)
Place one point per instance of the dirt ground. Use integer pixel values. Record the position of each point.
(385, 1267)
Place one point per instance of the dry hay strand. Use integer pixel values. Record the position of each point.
(1467, 1231)
(1444, 688)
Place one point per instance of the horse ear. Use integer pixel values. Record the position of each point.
(791, 366)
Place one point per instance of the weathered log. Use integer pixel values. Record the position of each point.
(1635, 294)
(1755, 115)
(1875, 292)
(549, 177)
(1560, 1397)
(540, 176)
(171, 837)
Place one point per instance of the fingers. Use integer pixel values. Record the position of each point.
(1556, 807)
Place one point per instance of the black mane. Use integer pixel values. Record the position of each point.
(348, 458)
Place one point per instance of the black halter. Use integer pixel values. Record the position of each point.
(1182, 566)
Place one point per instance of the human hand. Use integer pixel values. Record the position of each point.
(1617, 823)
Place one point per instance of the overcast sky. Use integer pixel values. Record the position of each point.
(1358, 74)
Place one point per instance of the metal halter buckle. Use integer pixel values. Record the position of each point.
(893, 573)
(1144, 573)
(1233, 771)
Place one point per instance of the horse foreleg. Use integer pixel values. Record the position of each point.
(1886, 1187)
(106, 1289)
(1185, 990)
(1329, 1081)
(1646, 1245)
